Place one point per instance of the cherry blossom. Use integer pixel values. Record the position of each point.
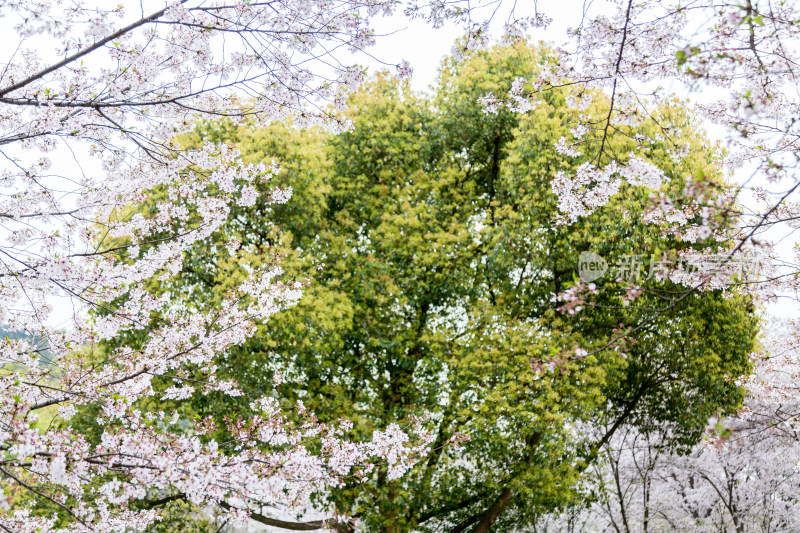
(112, 89)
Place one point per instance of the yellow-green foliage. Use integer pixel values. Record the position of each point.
(426, 237)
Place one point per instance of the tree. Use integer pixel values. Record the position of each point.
(115, 85)
(741, 477)
(740, 58)
(165, 71)
(428, 239)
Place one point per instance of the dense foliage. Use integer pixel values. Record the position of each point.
(428, 244)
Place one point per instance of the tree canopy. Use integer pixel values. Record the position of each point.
(430, 248)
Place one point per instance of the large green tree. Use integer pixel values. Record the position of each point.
(428, 243)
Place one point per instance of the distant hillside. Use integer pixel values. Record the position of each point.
(38, 341)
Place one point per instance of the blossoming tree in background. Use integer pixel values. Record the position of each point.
(743, 477)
